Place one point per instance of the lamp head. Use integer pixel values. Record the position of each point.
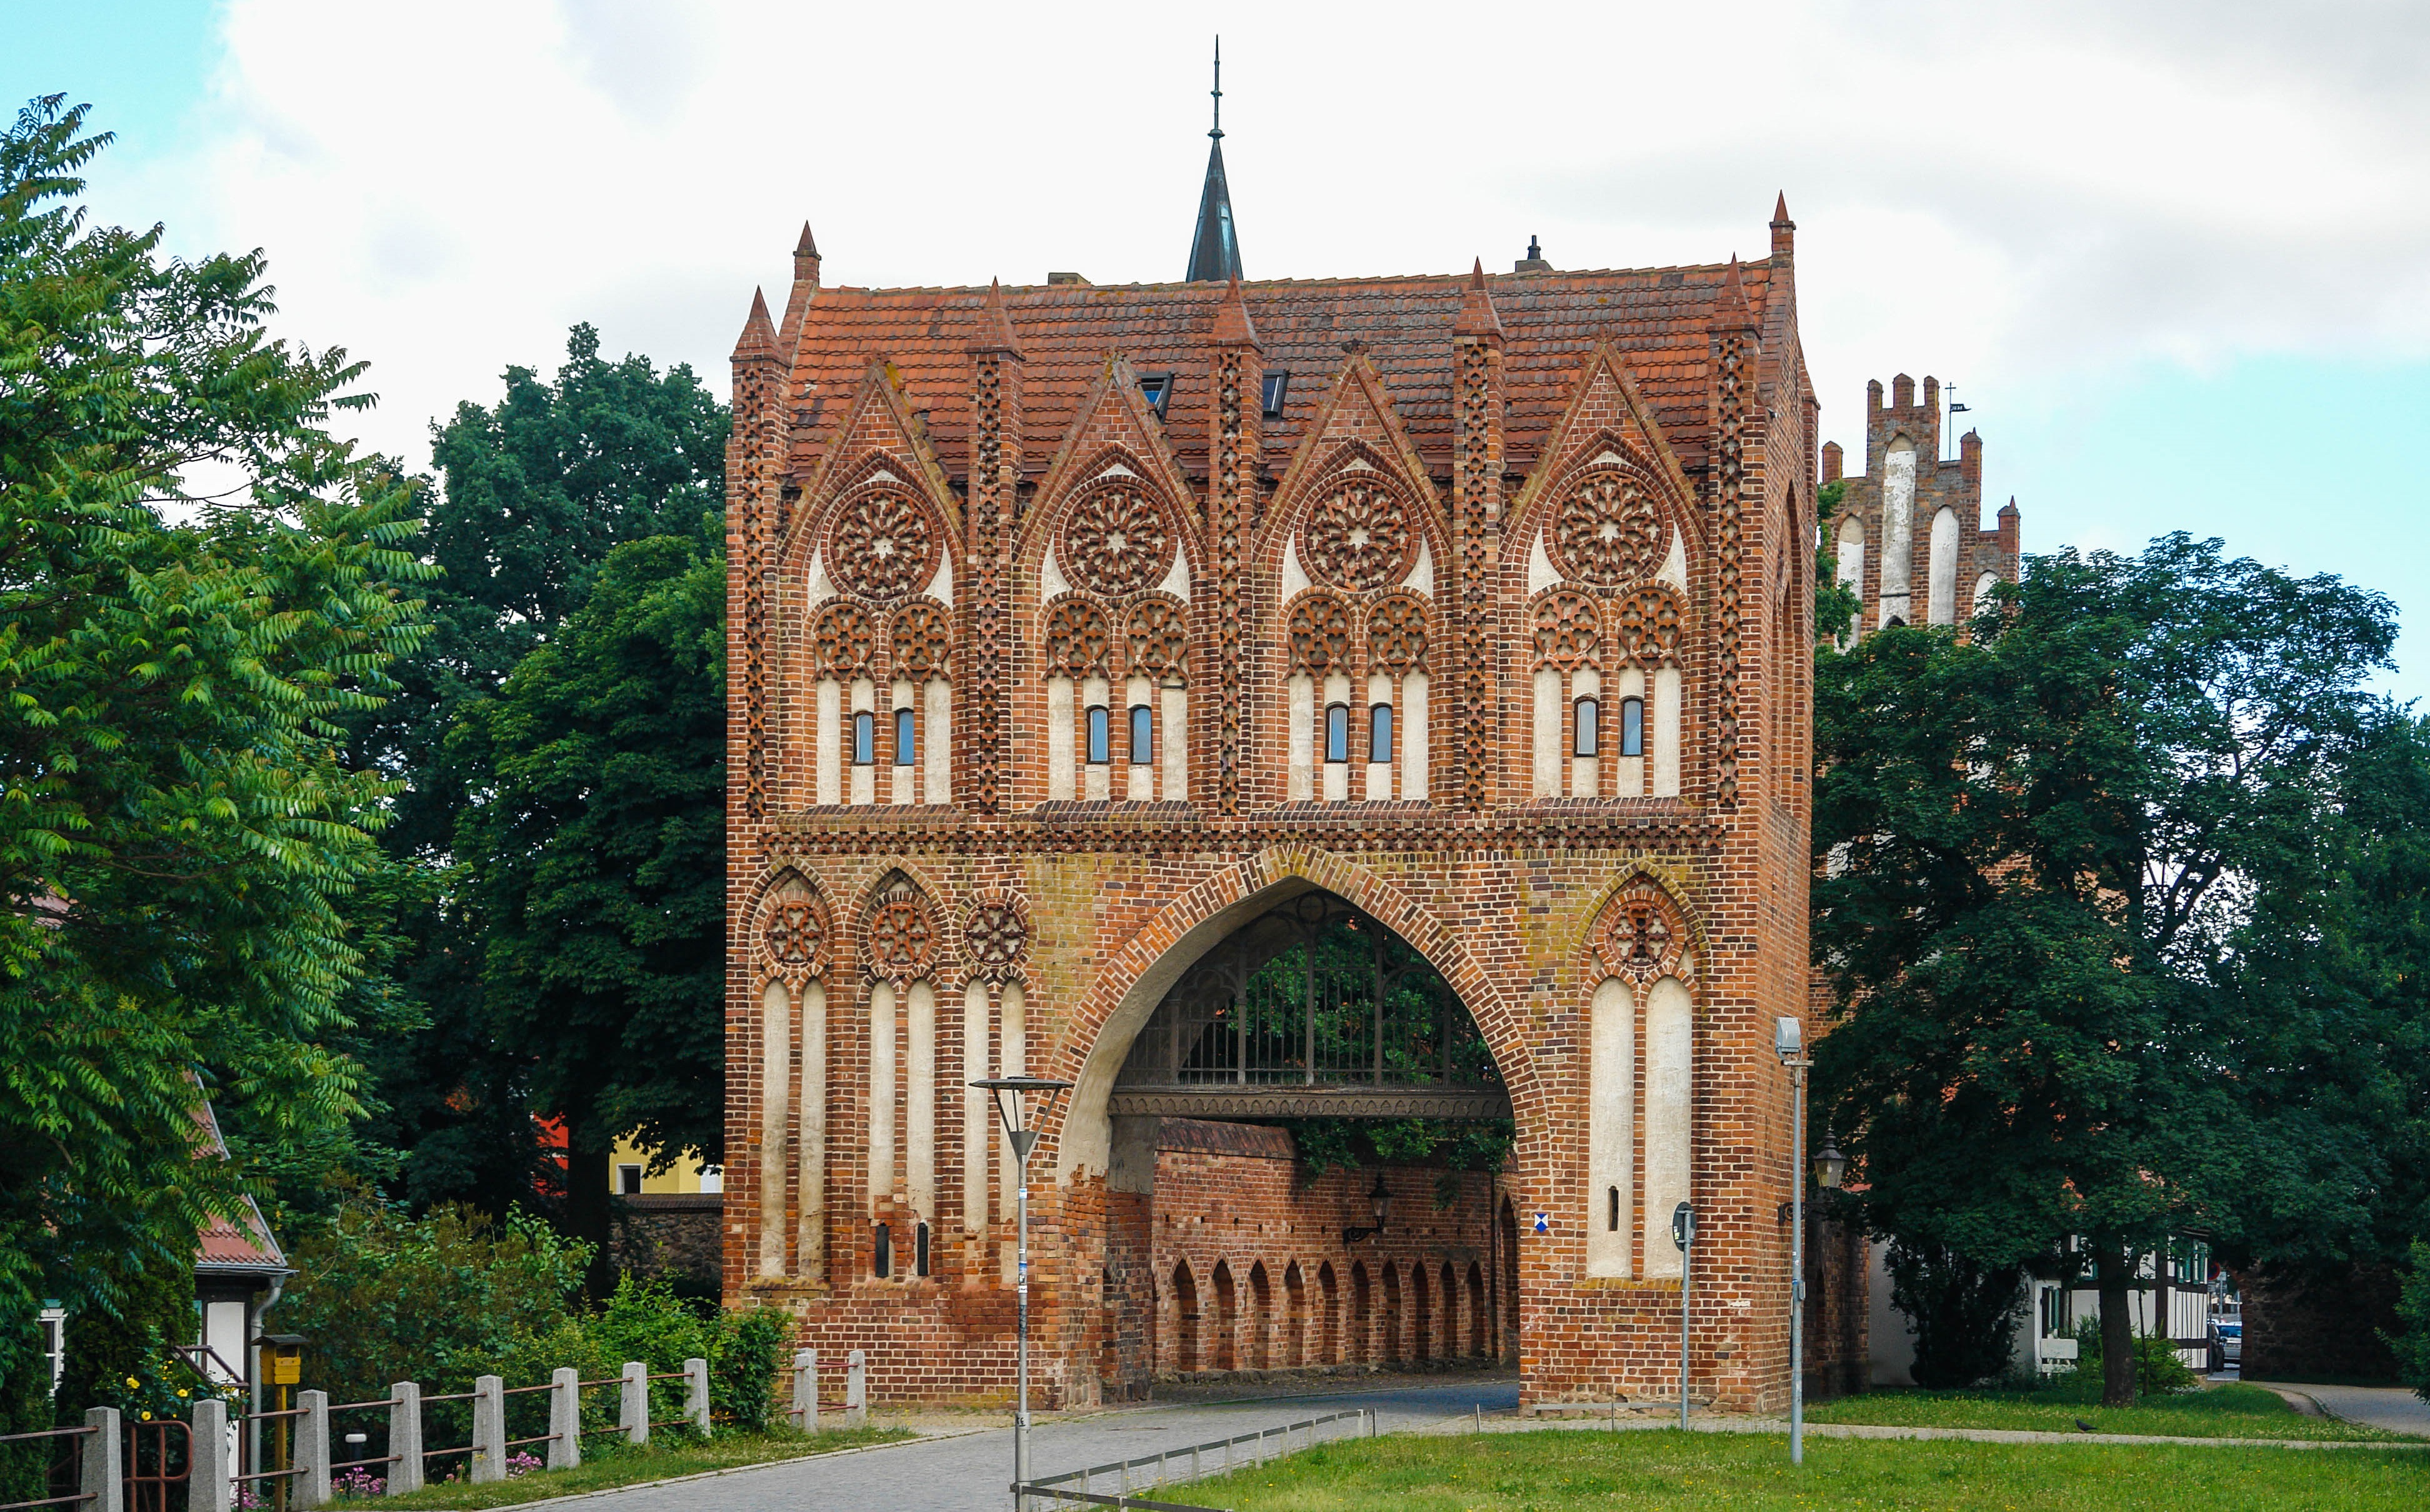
(1379, 1197)
(1830, 1166)
(1788, 1037)
(1009, 1091)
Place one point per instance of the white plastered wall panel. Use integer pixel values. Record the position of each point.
(1662, 731)
(936, 742)
(1669, 1079)
(1172, 738)
(978, 1117)
(1942, 608)
(1547, 733)
(883, 1097)
(1413, 734)
(813, 1242)
(920, 1110)
(775, 1073)
(1611, 1087)
(1303, 737)
(831, 741)
(1062, 784)
(1012, 1060)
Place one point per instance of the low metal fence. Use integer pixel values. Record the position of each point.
(1178, 1466)
(73, 1468)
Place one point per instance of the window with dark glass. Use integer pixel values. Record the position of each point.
(1586, 736)
(628, 1180)
(881, 1256)
(906, 733)
(1157, 388)
(1611, 1220)
(1337, 732)
(864, 739)
(920, 1252)
(1276, 382)
(1100, 737)
(1143, 735)
(1632, 727)
(1379, 733)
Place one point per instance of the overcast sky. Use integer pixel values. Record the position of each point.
(2177, 258)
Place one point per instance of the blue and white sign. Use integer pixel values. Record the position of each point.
(1543, 1223)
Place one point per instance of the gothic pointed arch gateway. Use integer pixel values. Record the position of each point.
(1090, 828)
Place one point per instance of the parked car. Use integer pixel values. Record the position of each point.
(2226, 1343)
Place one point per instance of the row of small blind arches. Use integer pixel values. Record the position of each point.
(1586, 739)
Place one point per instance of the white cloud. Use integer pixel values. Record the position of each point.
(2007, 195)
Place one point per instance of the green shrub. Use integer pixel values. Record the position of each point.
(2411, 1341)
(743, 1369)
(2158, 1373)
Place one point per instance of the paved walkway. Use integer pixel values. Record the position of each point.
(2391, 1408)
(973, 1471)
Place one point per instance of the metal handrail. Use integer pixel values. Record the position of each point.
(1096, 1499)
(49, 1433)
(451, 1396)
(536, 1439)
(350, 1406)
(357, 1463)
(522, 1390)
(52, 1501)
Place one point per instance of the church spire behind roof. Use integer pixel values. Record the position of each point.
(1215, 249)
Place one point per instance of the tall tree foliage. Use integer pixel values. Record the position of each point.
(2040, 843)
(179, 832)
(536, 490)
(596, 863)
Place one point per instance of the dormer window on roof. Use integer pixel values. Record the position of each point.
(1157, 388)
(1276, 382)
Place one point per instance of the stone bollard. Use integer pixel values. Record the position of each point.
(633, 1413)
(101, 1462)
(806, 1391)
(311, 1478)
(405, 1437)
(855, 1389)
(564, 1417)
(696, 1394)
(206, 1470)
(489, 1430)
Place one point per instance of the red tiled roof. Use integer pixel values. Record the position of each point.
(243, 1245)
(1208, 1136)
(1656, 318)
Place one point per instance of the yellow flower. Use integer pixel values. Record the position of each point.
(181, 1390)
(132, 1383)
(147, 1417)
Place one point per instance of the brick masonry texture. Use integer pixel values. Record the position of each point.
(910, 488)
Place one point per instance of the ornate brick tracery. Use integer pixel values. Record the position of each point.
(1079, 641)
(1115, 539)
(1608, 529)
(1319, 633)
(1647, 625)
(1568, 632)
(1396, 634)
(884, 544)
(1359, 535)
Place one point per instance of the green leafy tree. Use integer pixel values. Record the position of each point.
(595, 856)
(179, 831)
(535, 490)
(2037, 842)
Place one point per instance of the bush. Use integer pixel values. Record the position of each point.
(2158, 1373)
(1964, 1314)
(2411, 1341)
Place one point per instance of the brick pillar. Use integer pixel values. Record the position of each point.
(994, 489)
(1476, 536)
(1738, 447)
(1236, 450)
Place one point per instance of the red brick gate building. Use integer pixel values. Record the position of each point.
(1078, 634)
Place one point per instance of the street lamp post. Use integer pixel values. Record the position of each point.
(1829, 1166)
(1023, 1137)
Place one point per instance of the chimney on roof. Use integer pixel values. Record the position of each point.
(1054, 279)
(1215, 247)
(1534, 262)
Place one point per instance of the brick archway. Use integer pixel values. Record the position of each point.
(1134, 979)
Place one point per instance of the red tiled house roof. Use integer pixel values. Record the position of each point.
(1656, 319)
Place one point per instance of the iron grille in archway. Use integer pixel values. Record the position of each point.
(1311, 1009)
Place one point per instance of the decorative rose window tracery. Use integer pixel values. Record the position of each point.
(1115, 541)
(844, 641)
(1647, 624)
(1320, 633)
(1569, 634)
(1607, 530)
(1358, 537)
(793, 934)
(922, 639)
(1396, 635)
(901, 939)
(885, 545)
(1078, 639)
(994, 937)
(1158, 633)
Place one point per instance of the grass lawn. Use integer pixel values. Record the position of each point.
(2231, 1410)
(1666, 1471)
(607, 1463)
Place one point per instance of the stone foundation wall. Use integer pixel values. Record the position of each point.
(674, 1233)
(2313, 1329)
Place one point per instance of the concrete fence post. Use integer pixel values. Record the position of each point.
(855, 1389)
(696, 1394)
(101, 1464)
(311, 1479)
(405, 1437)
(806, 1391)
(489, 1430)
(564, 1417)
(633, 1413)
(207, 1469)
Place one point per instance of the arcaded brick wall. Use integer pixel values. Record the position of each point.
(960, 429)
